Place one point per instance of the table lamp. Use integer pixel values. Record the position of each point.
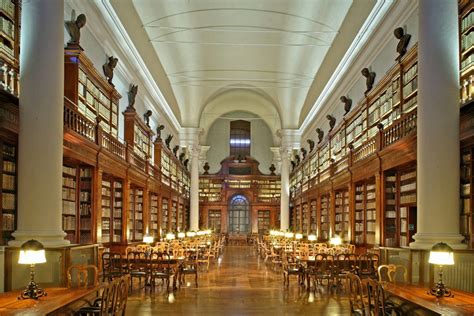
(191, 234)
(32, 252)
(336, 240)
(289, 235)
(147, 239)
(441, 254)
(181, 235)
(170, 236)
(299, 236)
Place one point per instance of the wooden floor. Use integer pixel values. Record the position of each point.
(239, 284)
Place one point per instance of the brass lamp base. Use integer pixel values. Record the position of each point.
(32, 291)
(440, 291)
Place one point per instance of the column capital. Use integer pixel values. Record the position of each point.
(290, 138)
(189, 136)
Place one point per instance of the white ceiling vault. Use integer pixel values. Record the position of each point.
(283, 51)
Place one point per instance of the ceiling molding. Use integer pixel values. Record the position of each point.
(375, 17)
(124, 41)
(399, 14)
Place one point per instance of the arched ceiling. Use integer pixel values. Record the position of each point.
(282, 49)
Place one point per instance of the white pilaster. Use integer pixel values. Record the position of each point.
(438, 125)
(40, 151)
(189, 137)
(290, 139)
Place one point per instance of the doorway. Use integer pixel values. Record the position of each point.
(239, 215)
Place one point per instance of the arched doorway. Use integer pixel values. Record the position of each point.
(239, 214)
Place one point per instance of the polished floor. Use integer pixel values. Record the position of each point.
(240, 283)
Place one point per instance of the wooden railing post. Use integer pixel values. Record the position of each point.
(379, 141)
(98, 132)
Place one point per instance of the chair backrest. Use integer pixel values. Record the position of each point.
(355, 293)
(392, 273)
(112, 262)
(121, 295)
(137, 260)
(79, 275)
(376, 297)
(160, 261)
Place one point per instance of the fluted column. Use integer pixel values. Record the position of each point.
(285, 189)
(438, 125)
(40, 151)
(194, 212)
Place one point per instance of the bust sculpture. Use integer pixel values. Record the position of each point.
(320, 135)
(132, 94)
(108, 69)
(369, 79)
(403, 41)
(146, 117)
(185, 163)
(311, 144)
(181, 156)
(303, 152)
(206, 168)
(73, 28)
(158, 132)
(298, 159)
(168, 140)
(332, 121)
(347, 104)
(272, 169)
(175, 150)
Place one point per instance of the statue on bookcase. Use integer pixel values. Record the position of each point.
(185, 163)
(369, 79)
(332, 121)
(158, 132)
(175, 150)
(206, 168)
(303, 152)
(311, 144)
(272, 169)
(146, 117)
(320, 135)
(298, 159)
(403, 40)
(347, 104)
(108, 69)
(132, 94)
(168, 141)
(73, 28)
(181, 155)
(293, 165)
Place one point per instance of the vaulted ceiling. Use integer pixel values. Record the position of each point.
(284, 51)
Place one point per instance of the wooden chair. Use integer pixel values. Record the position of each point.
(291, 267)
(355, 294)
(160, 268)
(112, 266)
(367, 265)
(80, 275)
(103, 305)
(392, 273)
(137, 266)
(203, 257)
(375, 297)
(121, 295)
(189, 266)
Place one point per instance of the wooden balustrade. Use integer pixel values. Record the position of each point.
(113, 145)
(367, 149)
(9, 78)
(404, 127)
(135, 160)
(78, 123)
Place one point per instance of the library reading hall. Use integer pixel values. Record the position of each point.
(236, 157)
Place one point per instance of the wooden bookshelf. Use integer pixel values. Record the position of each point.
(341, 214)
(365, 212)
(466, 31)
(263, 223)
(135, 214)
(112, 210)
(324, 217)
(8, 190)
(174, 216)
(165, 215)
(304, 218)
(297, 226)
(154, 215)
(466, 194)
(77, 207)
(10, 45)
(391, 209)
(313, 206)
(89, 92)
(214, 220)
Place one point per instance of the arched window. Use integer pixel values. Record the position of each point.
(240, 138)
(239, 214)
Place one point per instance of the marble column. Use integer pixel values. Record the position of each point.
(290, 139)
(285, 189)
(40, 151)
(189, 138)
(194, 212)
(438, 125)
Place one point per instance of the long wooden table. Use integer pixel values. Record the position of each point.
(461, 304)
(59, 301)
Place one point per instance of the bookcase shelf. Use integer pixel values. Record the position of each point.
(305, 217)
(8, 191)
(112, 210)
(77, 207)
(135, 214)
(174, 216)
(165, 215)
(466, 218)
(341, 214)
(313, 206)
(365, 212)
(214, 221)
(466, 30)
(324, 217)
(154, 221)
(263, 223)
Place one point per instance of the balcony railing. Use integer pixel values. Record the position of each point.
(367, 149)
(403, 128)
(78, 123)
